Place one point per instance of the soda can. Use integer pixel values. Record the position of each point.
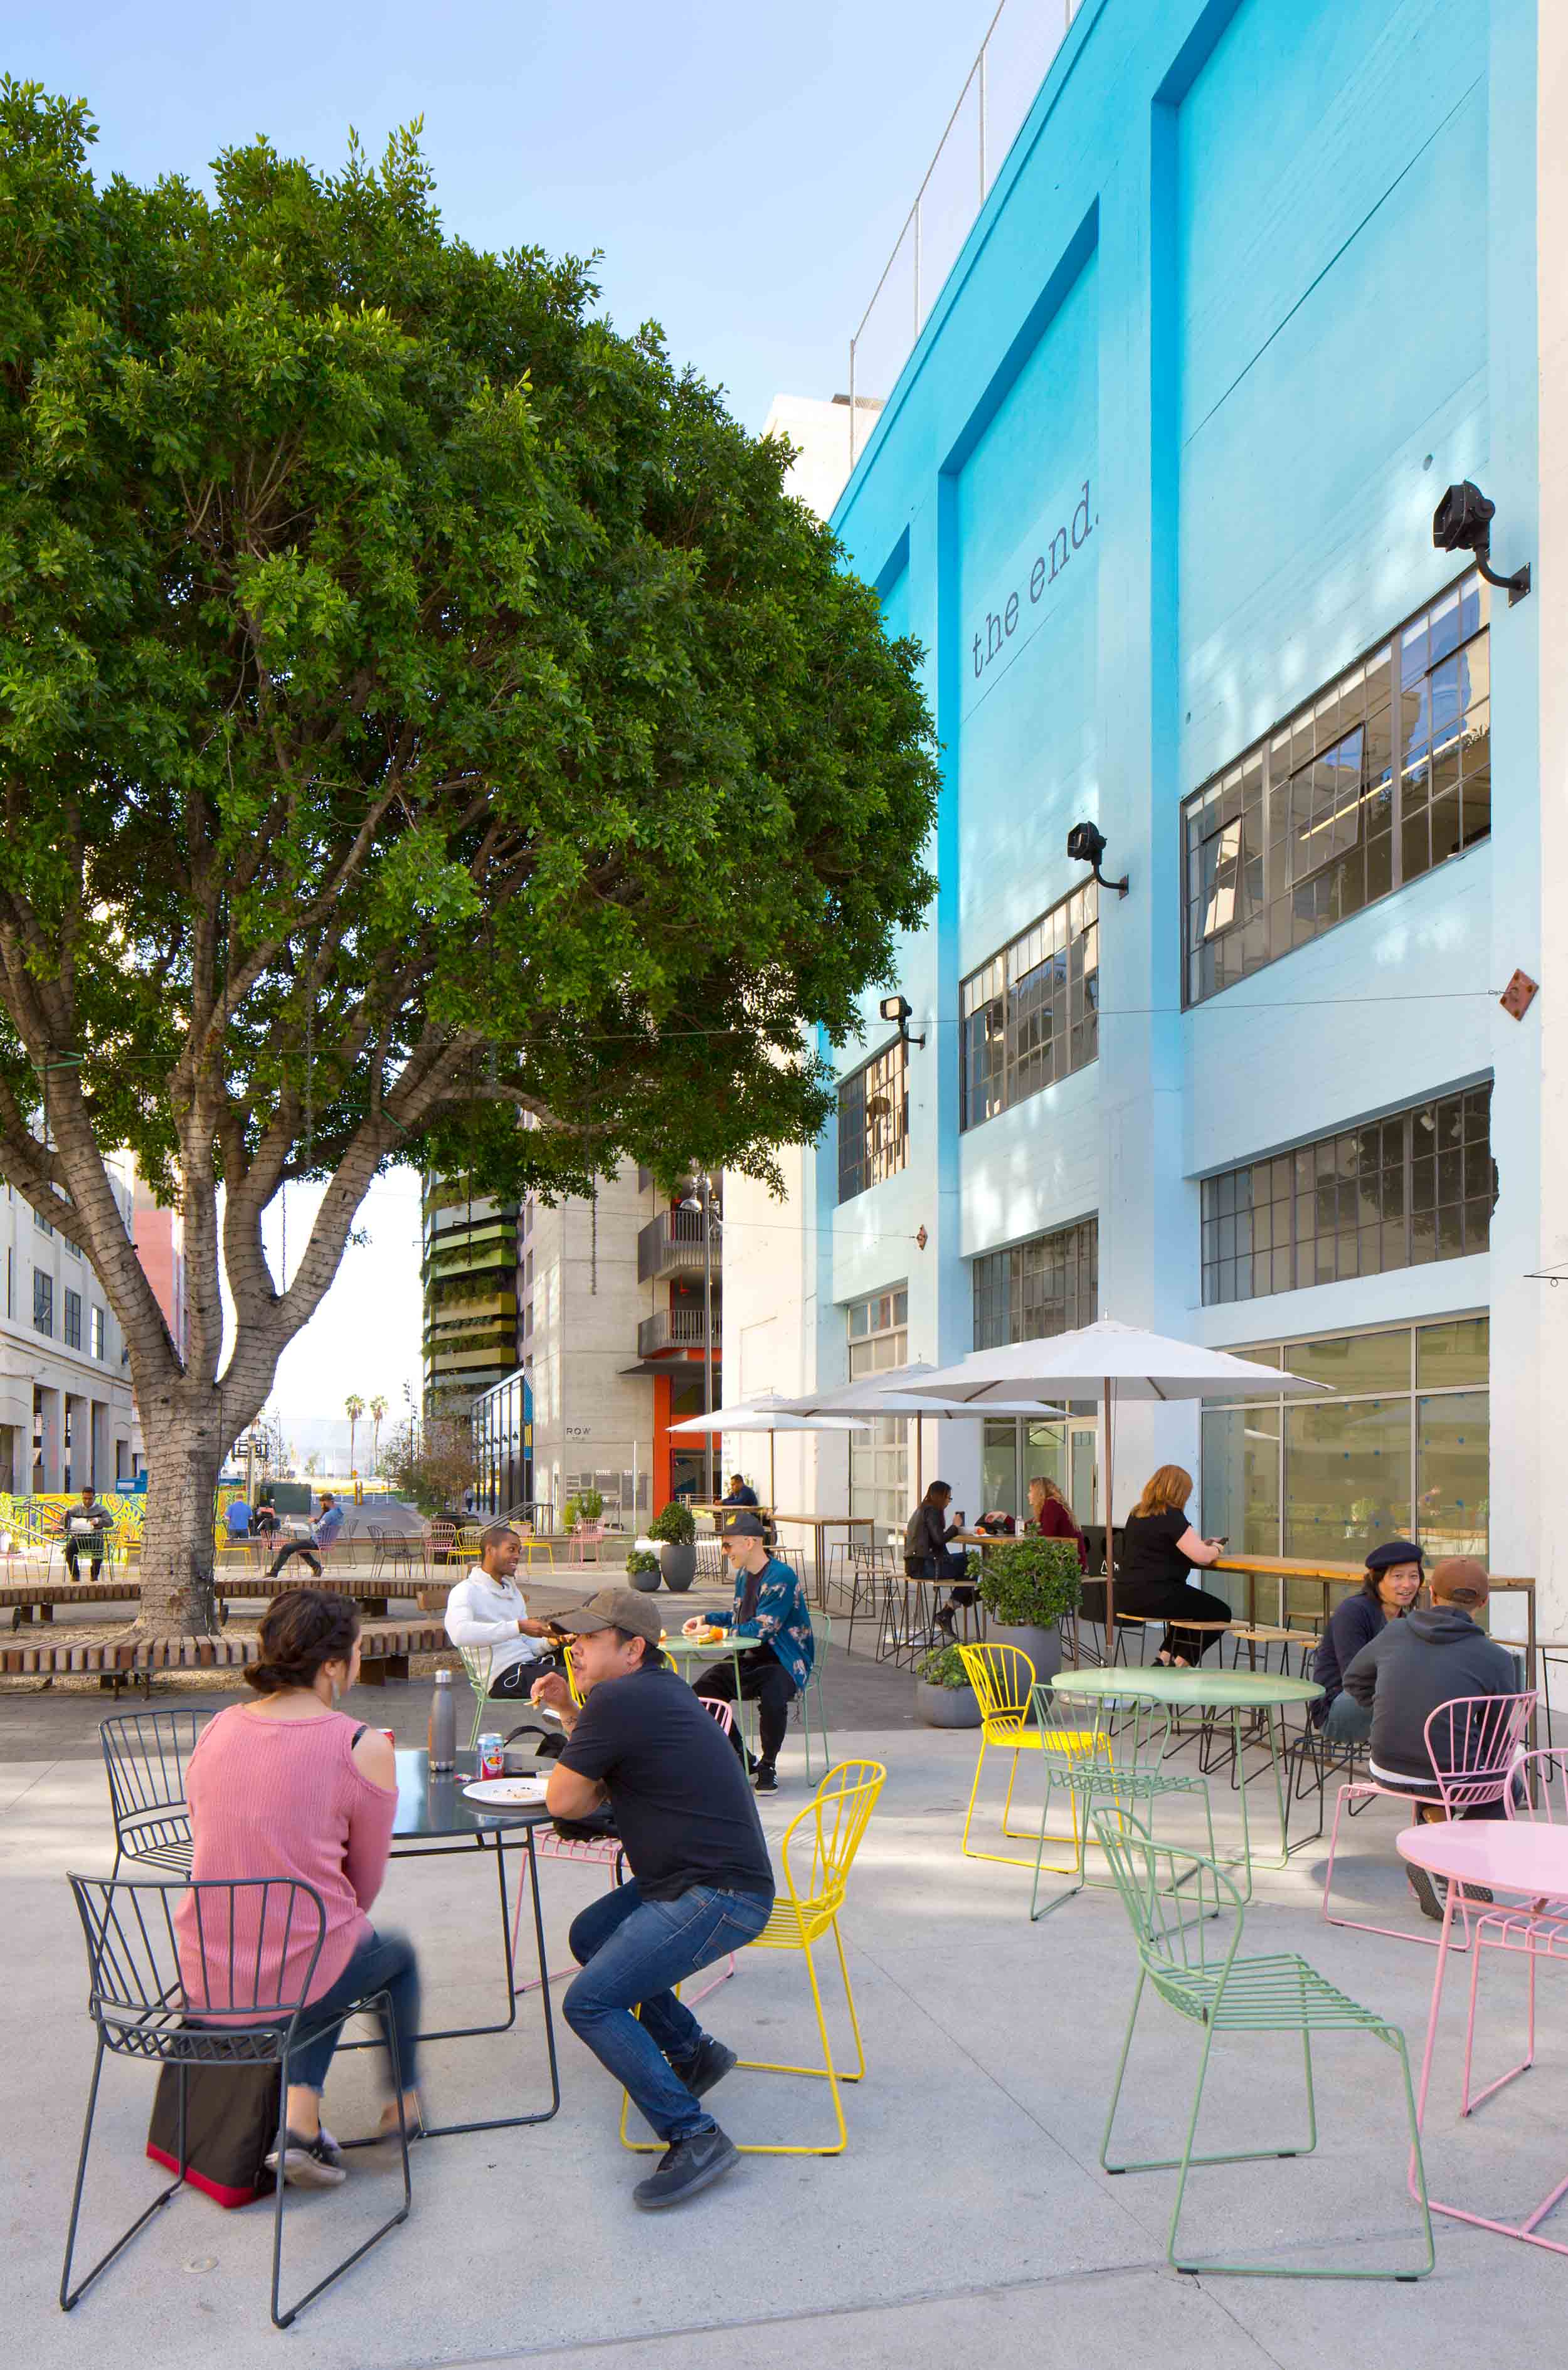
(492, 1760)
(391, 1738)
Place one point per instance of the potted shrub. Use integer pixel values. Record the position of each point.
(642, 1570)
(675, 1527)
(590, 1505)
(943, 1697)
(1026, 1586)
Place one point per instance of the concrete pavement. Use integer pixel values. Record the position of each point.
(968, 2217)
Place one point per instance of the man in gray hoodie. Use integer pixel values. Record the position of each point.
(1411, 1668)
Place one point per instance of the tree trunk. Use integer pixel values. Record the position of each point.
(184, 1457)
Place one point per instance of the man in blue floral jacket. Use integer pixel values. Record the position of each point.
(770, 1605)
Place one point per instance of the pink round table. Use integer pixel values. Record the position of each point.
(1522, 1856)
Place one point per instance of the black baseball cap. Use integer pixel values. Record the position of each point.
(744, 1524)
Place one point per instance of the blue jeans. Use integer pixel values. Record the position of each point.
(1346, 1721)
(385, 1962)
(632, 1951)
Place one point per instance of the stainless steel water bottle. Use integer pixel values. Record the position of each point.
(442, 1737)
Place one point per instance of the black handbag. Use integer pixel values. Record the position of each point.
(231, 2126)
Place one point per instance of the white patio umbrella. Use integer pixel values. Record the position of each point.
(771, 1414)
(893, 1393)
(1111, 1362)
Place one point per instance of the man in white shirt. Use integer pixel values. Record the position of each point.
(488, 1609)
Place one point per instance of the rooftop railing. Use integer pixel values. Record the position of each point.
(1015, 57)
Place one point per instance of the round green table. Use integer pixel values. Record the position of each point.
(1240, 1694)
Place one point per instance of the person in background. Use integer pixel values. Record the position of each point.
(1410, 1670)
(739, 1492)
(701, 1881)
(292, 1788)
(488, 1609)
(1050, 1514)
(927, 1556)
(1159, 1548)
(1394, 1574)
(264, 1518)
(770, 1606)
(237, 1518)
(84, 1527)
(324, 1530)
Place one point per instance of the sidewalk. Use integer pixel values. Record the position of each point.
(969, 2214)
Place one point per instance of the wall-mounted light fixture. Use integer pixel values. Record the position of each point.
(1087, 845)
(1462, 522)
(896, 1007)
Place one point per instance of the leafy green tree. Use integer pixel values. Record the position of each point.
(353, 1408)
(421, 711)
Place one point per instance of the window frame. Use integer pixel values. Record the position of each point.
(1420, 749)
(1013, 1040)
(71, 1318)
(1408, 1184)
(999, 1284)
(43, 1303)
(885, 1154)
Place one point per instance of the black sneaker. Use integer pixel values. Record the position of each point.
(1426, 1891)
(307, 2164)
(686, 2167)
(710, 2064)
(767, 1778)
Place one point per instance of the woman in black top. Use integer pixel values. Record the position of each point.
(1159, 1548)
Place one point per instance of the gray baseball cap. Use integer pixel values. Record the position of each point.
(611, 1608)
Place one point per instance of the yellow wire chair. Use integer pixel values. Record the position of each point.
(1003, 1680)
(804, 1912)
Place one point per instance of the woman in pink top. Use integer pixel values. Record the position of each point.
(292, 1788)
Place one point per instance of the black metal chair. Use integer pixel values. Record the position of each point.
(145, 1754)
(143, 2009)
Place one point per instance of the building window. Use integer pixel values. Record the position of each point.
(95, 1323)
(1031, 1014)
(1397, 1447)
(873, 1122)
(1379, 776)
(71, 1331)
(41, 1223)
(43, 1302)
(878, 1458)
(1035, 1289)
(1395, 1192)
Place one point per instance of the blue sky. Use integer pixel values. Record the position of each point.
(745, 169)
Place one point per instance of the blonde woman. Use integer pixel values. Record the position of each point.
(1159, 1550)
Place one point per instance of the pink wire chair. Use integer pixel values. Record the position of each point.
(1535, 1932)
(604, 1851)
(1474, 1745)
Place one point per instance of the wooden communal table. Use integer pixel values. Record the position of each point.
(819, 1525)
(1326, 1577)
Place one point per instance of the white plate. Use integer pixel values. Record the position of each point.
(507, 1793)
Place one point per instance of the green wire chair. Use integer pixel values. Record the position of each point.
(477, 1663)
(1192, 1966)
(1129, 1774)
(822, 1629)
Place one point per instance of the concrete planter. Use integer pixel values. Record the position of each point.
(1044, 1647)
(679, 1565)
(648, 1581)
(946, 1707)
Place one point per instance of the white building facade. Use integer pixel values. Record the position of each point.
(67, 1418)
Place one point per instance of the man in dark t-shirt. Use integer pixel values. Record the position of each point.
(702, 1879)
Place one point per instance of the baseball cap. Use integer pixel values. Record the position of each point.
(745, 1525)
(611, 1608)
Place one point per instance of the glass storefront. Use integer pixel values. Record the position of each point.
(503, 1446)
(1400, 1450)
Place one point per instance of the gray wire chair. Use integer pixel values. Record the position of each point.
(144, 1754)
(143, 2008)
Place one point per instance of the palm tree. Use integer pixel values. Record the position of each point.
(377, 1416)
(353, 1408)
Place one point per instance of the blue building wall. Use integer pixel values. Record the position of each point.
(1255, 283)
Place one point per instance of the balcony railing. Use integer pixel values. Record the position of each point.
(674, 1328)
(671, 1244)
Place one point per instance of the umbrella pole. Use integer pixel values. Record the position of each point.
(772, 1486)
(919, 1462)
(1110, 1550)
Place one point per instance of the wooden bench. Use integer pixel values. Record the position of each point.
(36, 1600)
(385, 1649)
